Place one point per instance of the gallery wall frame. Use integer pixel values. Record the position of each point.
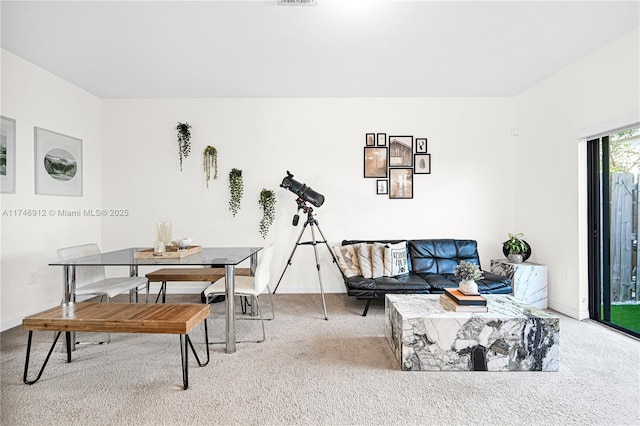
(422, 164)
(382, 186)
(7, 155)
(421, 145)
(382, 139)
(401, 183)
(370, 139)
(58, 163)
(375, 162)
(400, 151)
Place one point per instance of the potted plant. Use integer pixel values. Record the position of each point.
(516, 249)
(184, 137)
(210, 162)
(236, 188)
(267, 203)
(468, 273)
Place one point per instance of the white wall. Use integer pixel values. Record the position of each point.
(34, 97)
(601, 87)
(469, 194)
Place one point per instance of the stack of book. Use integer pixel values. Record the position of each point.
(455, 300)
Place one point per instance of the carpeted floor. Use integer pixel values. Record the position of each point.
(314, 372)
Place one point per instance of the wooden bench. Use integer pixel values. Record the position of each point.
(119, 318)
(188, 274)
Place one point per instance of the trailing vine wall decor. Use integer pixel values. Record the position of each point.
(267, 202)
(210, 161)
(236, 188)
(184, 136)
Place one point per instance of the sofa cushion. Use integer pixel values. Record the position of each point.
(350, 242)
(369, 288)
(395, 260)
(490, 284)
(364, 258)
(441, 256)
(347, 257)
(377, 260)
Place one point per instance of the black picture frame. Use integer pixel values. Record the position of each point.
(400, 151)
(370, 139)
(375, 162)
(421, 145)
(382, 186)
(401, 183)
(422, 164)
(381, 139)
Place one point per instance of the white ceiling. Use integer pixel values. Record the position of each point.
(348, 48)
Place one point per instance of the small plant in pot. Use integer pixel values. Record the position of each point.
(236, 189)
(184, 138)
(267, 203)
(468, 273)
(516, 249)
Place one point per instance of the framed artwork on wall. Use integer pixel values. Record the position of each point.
(370, 139)
(382, 139)
(422, 164)
(400, 151)
(8, 155)
(58, 163)
(382, 186)
(400, 183)
(375, 162)
(421, 145)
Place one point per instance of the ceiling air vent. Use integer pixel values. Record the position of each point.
(298, 2)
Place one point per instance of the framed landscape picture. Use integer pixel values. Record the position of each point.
(58, 163)
(375, 162)
(422, 163)
(8, 155)
(400, 183)
(400, 151)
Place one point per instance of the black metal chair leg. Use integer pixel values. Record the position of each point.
(26, 364)
(185, 360)
(206, 342)
(366, 308)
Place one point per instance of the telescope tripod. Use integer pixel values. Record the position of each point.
(311, 222)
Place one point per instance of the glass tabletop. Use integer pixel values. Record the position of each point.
(209, 256)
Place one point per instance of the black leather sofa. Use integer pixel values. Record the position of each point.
(431, 264)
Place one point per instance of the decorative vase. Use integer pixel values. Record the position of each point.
(515, 257)
(468, 286)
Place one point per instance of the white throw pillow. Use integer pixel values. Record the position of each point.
(395, 259)
(364, 257)
(347, 257)
(377, 260)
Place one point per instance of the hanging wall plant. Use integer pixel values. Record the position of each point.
(267, 202)
(236, 188)
(210, 161)
(184, 136)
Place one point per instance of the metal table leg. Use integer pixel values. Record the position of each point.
(230, 288)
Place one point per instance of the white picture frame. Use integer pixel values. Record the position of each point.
(58, 163)
(7, 155)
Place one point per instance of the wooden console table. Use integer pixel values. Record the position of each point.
(119, 318)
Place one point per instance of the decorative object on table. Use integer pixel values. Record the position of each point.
(375, 162)
(422, 164)
(400, 183)
(58, 167)
(267, 203)
(184, 137)
(236, 188)
(8, 155)
(468, 273)
(210, 162)
(171, 252)
(465, 299)
(164, 232)
(182, 243)
(400, 151)
(516, 249)
(452, 305)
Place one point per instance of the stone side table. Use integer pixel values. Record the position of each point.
(529, 280)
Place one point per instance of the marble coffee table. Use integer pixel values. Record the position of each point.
(511, 336)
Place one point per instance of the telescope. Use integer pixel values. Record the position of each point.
(302, 191)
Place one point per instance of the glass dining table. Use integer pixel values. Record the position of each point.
(215, 257)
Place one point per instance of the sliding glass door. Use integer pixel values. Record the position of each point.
(614, 256)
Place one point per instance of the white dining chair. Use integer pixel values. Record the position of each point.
(250, 286)
(91, 280)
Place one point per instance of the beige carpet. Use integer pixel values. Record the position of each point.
(311, 372)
